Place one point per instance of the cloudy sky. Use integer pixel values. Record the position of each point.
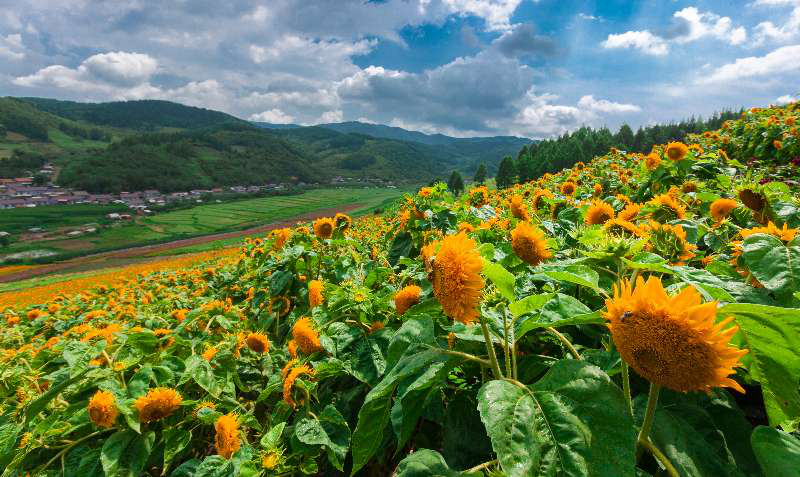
(461, 67)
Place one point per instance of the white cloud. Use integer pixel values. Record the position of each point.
(496, 13)
(709, 24)
(121, 67)
(605, 106)
(330, 117)
(786, 99)
(640, 40)
(11, 47)
(786, 32)
(275, 116)
(782, 60)
(591, 18)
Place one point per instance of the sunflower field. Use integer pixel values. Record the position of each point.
(638, 315)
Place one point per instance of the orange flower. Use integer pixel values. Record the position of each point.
(518, 208)
(652, 161)
(568, 188)
(721, 208)
(529, 244)
(323, 227)
(288, 383)
(157, 404)
(406, 298)
(456, 277)
(315, 297)
(599, 213)
(630, 212)
(306, 336)
(227, 440)
(258, 342)
(677, 150)
(103, 409)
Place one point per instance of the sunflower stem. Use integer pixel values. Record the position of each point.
(490, 348)
(506, 346)
(660, 457)
(565, 342)
(647, 423)
(626, 386)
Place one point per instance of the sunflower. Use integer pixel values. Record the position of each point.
(456, 277)
(536, 201)
(599, 213)
(406, 298)
(785, 234)
(623, 227)
(529, 244)
(518, 208)
(568, 188)
(598, 190)
(291, 377)
(270, 460)
(258, 342)
(103, 409)
(669, 241)
(227, 440)
(721, 208)
(777, 145)
(281, 236)
(343, 221)
(157, 404)
(306, 336)
(285, 305)
(652, 161)
(203, 405)
(630, 212)
(689, 186)
(754, 201)
(672, 341)
(479, 196)
(668, 208)
(315, 297)
(677, 151)
(323, 227)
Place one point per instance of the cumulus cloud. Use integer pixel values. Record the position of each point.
(605, 106)
(786, 99)
(120, 67)
(523, 40)
(644, 41)
(275, 116)
(786, 32)
(11, 47)
(496, 13)
(780, 61)
(688, 25)
(543, 117)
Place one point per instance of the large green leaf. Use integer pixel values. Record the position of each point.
(125, 453)
(578, 274)
(374, 413)
(199, 370)
(425, 463)
(401, 247)
(464, 440)
(772, 334)
(41, 402)
(175, 440)
(777, 452)
(502, 278)
(775, 265)
(529, 304)
(330, 431)
(573, 422)
(413, 333)
(560, 310)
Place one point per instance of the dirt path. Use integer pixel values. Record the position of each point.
(81, 262)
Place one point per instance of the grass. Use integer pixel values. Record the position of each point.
(51, 217)
(180, 224)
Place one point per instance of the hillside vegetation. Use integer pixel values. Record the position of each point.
(634, 315)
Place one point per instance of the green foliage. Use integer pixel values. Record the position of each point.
(455, 184)
(480, 174)
(506, 173)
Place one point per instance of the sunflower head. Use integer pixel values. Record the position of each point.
(306, 336)
(630, 212)
(227, 440)
(343, 221)
(157, 404)
(456, 277)
(753, 200)
(538, 194)
(258, 342)
(568, 188)
(323, 227)
(103, 409)
(315, 297)
(677, 151)
(518, 208)
(530, 244)
(721, 208)
(667, 208)
(599, 213)
(672, 341)
(670, 242)
(598, 190)
(280, 237)
(652, 161)
(406, 298)
(291, 377)
(623, 228)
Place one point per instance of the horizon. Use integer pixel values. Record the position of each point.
(552, 66)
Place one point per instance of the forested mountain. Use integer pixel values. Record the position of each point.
(552, 155)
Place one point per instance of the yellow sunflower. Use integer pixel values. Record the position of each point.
(599, 213)
(103, 409)
(630, 212)
(406, 298)
(258, 342)
(672, 341)
(323, 227)
(227, 440)
(157, 404)
(306, 336)
(291, 377)
(652, 161)
(456, 277)
(518, 208)
(668, 208)
(315, 297)
(721, 208)
(529, 244)
(568, 188)
(677, 151)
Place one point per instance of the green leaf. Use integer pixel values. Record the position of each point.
(573, 422)
(464, 440)
(560, 310)
(413, 333)
(41, 402)
(200, 371)
(77, 354)
(279, 281)
(215, 466)
(330, 430)
(502, 278)
(425, 463)
(777, 452)
(775, 265)
(772, 334)
(577, 274)
(175, 440)
(374, 413)
(401, 247)
(529, 304)
(272, 438)
(125, 453)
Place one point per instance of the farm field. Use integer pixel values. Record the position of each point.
(636, 315)
(180, 224)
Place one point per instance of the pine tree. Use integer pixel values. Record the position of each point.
(480, 174)
(506, 173)
(456, 183)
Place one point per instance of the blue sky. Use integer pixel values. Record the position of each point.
(460, 67)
